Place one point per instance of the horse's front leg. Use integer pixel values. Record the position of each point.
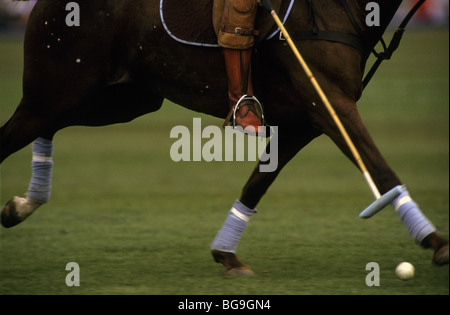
(338, 71)
(420, 228)
(282, 148)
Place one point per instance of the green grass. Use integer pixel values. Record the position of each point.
(138, 223)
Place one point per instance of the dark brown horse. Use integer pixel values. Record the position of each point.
(121, 63)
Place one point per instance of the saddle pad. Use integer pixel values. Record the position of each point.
(190, 21)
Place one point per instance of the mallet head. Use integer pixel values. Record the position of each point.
(381, 202)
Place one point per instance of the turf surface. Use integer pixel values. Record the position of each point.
(138, 223)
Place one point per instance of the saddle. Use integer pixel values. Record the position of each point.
(190, 21)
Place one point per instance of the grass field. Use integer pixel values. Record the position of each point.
(138, 223)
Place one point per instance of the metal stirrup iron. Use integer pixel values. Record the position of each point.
(247, 98)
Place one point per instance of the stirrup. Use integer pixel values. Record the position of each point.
(246, 98)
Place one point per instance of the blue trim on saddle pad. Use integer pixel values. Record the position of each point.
(166, 28)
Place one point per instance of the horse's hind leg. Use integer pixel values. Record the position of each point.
(104, 107)
(19, 208)
(22, 128)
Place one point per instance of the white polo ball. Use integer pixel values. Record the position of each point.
(404, 270)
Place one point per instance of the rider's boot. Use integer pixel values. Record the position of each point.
(245, 109)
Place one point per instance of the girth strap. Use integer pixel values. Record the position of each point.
(337, 37)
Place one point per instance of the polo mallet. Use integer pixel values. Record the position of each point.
(381, 200)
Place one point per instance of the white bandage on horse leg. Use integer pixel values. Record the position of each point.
(40, 186)
(230, 233)
(415, 221)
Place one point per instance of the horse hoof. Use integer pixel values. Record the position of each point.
(240, 271)
(17, 210)
(9, 217)
(234, 267)
(440, 256)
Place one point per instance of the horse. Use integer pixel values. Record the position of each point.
(121, 60)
